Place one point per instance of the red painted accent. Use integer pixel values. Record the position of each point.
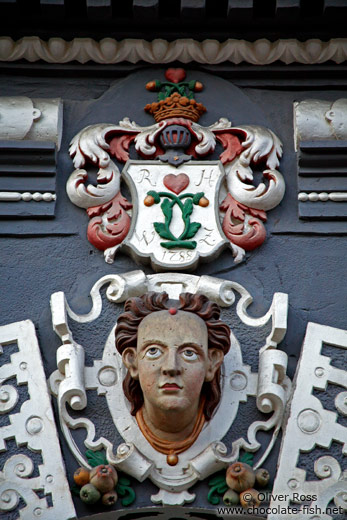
(119, 146)
(231, 144)
(176, 183)
(118, 223)
(235, 231)
(175, 75)
(173, 311)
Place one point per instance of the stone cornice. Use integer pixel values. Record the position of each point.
(109, 51)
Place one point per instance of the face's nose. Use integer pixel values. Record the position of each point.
(171, 363)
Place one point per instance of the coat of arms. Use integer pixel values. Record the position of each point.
(184, 206)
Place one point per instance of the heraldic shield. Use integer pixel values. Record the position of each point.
(175, 212)
(184, 207)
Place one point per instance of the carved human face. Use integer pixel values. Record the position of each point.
(172, 360)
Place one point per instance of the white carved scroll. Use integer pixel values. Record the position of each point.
(260, 143)
(33, 426)
(34, 119)
(309, 425)
(317, 119)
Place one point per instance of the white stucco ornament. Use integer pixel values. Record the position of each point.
(310, 425)
(185, 207)
(33, 482)
(136, 456)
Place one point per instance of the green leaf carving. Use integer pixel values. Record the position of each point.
(123, 481)
(217, 479)
(95, 458)
(193, 229)
(247, 458)
(162, 231)
(124, 489)
(216, 490)
(187, 209)
(167, 210)
(218, 487)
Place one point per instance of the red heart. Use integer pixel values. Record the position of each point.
(175, 75)
(176, 183)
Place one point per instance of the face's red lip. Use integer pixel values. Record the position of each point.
(171, 386)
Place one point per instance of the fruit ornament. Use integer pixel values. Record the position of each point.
(98, 483)
(104, 478)
(241, 478)
(239, 484)
(101, 485)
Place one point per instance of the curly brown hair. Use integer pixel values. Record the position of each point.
(136, 309)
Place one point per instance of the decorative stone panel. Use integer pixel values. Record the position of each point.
(310, 425)
(35, 474)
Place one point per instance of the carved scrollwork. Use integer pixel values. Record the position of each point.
(260, 143)
(33, 427)
(203, 458)
(8, 398)
(15, 468)
(310, 425)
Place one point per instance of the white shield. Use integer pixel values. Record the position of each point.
(175, 219)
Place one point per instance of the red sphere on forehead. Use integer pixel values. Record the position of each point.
(175, 75)
(173, 311)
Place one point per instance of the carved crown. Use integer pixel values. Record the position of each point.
(175, 97)
(176, 106)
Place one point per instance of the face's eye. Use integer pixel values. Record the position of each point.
(189, 354)
(153, 353)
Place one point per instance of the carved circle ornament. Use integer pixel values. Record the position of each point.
(309, 421)
(176, 465)
(185, 207)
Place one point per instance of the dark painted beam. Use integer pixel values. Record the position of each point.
(172, 19)
(192, 9)
(53, 8)
(99, 9)
(145, 9)
(287, 10)
(240, 10)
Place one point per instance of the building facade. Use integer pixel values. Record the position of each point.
(179, 147)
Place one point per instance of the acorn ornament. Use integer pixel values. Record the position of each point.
(240, 476)
(149, 201)
(204, 202)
